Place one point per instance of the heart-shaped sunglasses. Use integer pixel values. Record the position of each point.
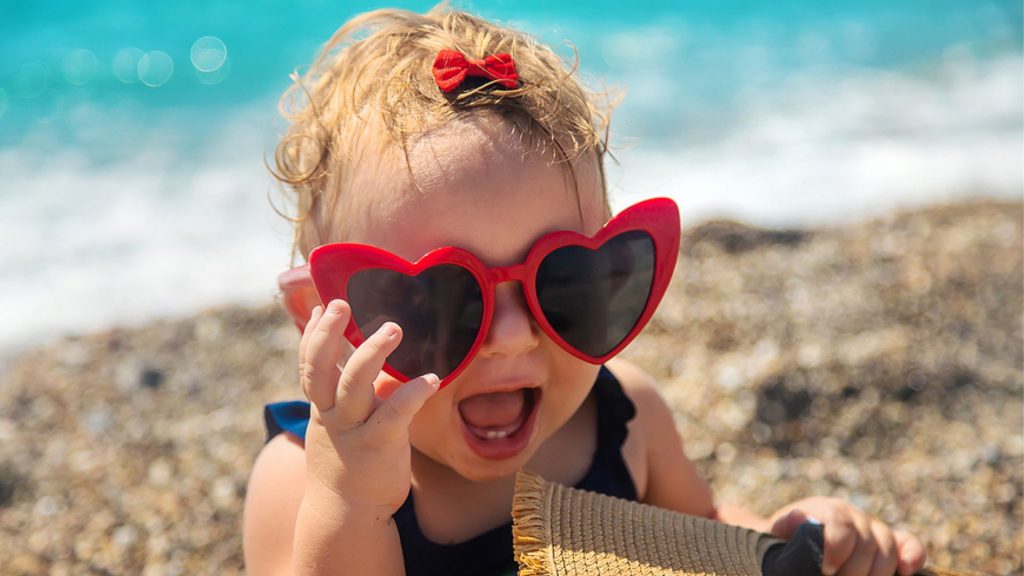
(591, 296)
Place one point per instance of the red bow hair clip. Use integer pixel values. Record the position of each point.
(451, 68)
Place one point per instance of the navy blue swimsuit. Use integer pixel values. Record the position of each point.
(490, 553)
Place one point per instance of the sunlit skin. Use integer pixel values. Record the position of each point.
(474, 195)
(478, 185)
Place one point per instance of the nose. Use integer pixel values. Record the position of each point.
(513, 330)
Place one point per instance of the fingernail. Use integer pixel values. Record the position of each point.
(389, 330)
(316, 311)
(334, 307)
(433, 380)
(814, 520)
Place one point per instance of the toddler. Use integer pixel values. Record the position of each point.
(453, 211)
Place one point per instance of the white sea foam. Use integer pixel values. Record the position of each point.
(830, 149)
(168, 229)
(86, 245)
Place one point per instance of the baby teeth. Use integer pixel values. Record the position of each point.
(495, 433)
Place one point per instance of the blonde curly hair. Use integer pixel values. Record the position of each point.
(374, 74)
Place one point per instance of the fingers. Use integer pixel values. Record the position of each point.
(856, 544)
(911, 552)
(864, 550)
(345, 397)
(314, 317)
(862, 546)
(787, 525)
(886, 558)
(840, 541)
(850, 546)
(355, 392)
(392, 418)
(319, 352)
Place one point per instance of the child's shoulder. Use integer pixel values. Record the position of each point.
(663, 475)
(647, 425)
(652, 411)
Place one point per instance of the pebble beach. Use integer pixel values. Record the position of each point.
(880, 361)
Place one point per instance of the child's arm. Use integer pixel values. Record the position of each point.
(272, 502)
(334, 505)
(856, 543)
(277, 503)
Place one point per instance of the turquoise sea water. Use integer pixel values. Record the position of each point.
(132, 134)
(700, 57)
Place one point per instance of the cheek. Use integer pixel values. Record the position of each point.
(431, 424)
(569, 382)
(570, 387)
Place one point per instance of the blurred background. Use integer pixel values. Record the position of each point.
(133, 134)
(847, 317)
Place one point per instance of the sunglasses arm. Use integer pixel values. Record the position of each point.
(298, 294)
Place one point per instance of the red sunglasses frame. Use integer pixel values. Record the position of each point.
(331, 266)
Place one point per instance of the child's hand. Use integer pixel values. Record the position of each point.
(357, 443)
(856, 543)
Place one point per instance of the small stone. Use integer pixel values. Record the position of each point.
(810, 354)
(46, 506)
(160, 472)
(699, 449)
(82, 460)
(916, 380)
(725, 453)
(124, 375)
(151, 378)
(1004, 493)
(124, 536)
(735, 416)
(992, 455)
(26, 564)
(285, 338)
(1013, 445)
(97, 421)
(85, 545)
(11, 482)
(223, 492)
(208, 328)
(7, 430)
(41, 540)
(74, 355)
(761, 433)
(157, 545)
(729, 377)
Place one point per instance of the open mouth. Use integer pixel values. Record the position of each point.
(498, 425)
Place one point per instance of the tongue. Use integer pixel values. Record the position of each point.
(494, 409)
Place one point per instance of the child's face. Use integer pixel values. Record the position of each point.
(475, 186)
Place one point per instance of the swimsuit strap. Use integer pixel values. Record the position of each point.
(286, 417)
(609, 473)
(491, 552)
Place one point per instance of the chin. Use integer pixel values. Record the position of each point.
(487, 470)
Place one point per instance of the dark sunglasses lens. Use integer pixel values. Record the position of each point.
(594, 298)
(440, 312)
